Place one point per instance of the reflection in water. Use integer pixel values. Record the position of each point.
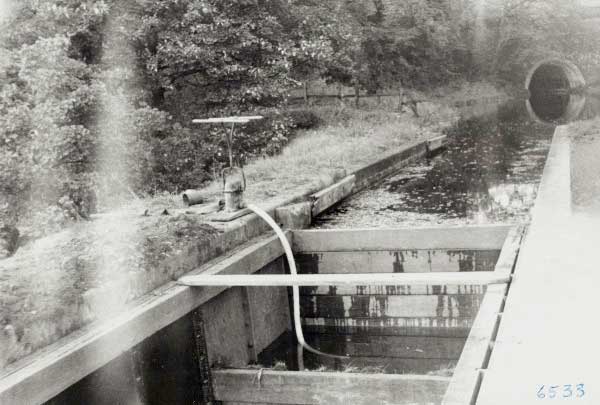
(391, 329)
(555, 107)
(488, 174)
(416, 332)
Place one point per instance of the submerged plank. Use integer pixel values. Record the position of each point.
(387, 290)
(388, 307)
(405, 347)
(305, 387)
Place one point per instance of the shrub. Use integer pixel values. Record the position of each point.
(304, 119)
(180, 159)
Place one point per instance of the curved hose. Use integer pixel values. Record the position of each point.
(295, 289)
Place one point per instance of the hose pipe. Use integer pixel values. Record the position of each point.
(295, 289)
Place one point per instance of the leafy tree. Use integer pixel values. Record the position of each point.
(517, 33)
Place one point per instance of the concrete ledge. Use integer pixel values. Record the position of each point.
(295, 216)
(332, 195)
(548, 334)
(40, 377)
(466, 378)
(435, 144)
(375, 172)
(48, 371)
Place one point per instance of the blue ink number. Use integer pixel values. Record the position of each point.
(567, 391)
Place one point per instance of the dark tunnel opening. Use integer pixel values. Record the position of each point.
(549, 78)
(551, 96)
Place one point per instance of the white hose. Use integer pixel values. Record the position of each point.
(295, 289)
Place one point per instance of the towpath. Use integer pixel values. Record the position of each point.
(546, 349)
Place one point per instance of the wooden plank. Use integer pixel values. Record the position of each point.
(392, 306)
(417, 347)
(270, 309)
(388, 365)
(396, 327)
(376, 326)
(398, 261)
(332, 195)
(226, 333)
(434, 144)
(295, 216)
(391, 290)
(487, 237)
(372, 173)
(40, 377)
(510, 250)
(305, 387)
(467, 376)
(466, 379)
(276, 280)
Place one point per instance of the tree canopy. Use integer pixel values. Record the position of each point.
(170, 61)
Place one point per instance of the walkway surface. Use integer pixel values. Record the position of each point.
(548, 344)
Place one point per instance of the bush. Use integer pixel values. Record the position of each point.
(180, 159)
(304, 119)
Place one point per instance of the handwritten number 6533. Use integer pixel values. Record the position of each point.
(553, 391)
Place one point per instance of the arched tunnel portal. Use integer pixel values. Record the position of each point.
(554, 72)
(552, 85)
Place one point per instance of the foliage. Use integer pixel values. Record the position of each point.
(521, 32)
(90, 87)
(232, 53)
(304, 118)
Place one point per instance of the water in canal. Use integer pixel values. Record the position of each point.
(489, 173)
(384, 329)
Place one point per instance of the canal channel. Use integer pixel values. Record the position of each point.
(487, 175)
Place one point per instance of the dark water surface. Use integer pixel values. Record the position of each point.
(488, 174)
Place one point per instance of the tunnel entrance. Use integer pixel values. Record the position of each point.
(549, 78)
(552, 86)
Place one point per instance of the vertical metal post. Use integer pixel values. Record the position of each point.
(230, 144)
(249, 325)
(137, 364)
(201, 354)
